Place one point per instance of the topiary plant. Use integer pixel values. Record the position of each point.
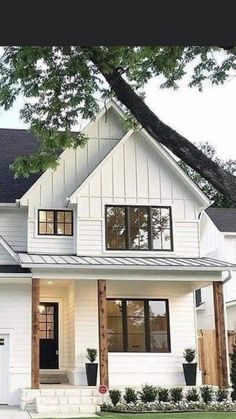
(130, 395)
(92, 354)
(115, 396)
(192, 395)
(207, 394)
(189, 354)
(233, 372)
(148, 394)
(176, 394)
(163, 394)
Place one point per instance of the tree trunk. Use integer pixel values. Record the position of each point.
(179, 145)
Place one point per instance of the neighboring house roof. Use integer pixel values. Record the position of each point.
(15, 143)
(223, 218)
(154, 263)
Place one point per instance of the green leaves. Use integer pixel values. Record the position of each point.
(61, 83)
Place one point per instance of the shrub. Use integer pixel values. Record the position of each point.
(148, 394)
(176, 394)
(163, 394)
(221, 394)
(130, 395)
(207, 394)
(115, 396)
(233, 372)
(92, 354)
(189, 354)
(192, 395)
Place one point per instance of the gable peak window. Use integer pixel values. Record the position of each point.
(55, 223)
(138, 228)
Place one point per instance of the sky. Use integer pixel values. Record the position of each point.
(199, 116)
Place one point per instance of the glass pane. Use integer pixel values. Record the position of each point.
(166, 240)
(138, 228)
(42, 216)
(50, 228)
(42, 334)
(68, 229)
(165, 217)
(157, 308)
(159, 342)
(50, 309)
(115, 342)
(60, 216)
(158, 324)
(68, 217)
(60, 228)
(136, 343)
(42, 228)
(135, 308)
(116, 238)
(42, 318)
(50, 326)
(50, 217)
(116, 230)
(50, 334)
(50, 318)
(136, 325)
(114, 308)
(43, 326)
(114, 325)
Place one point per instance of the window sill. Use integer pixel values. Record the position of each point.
(139, 354)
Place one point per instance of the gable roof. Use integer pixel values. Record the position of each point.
(223, 218)
(165, 155)
(14, 143)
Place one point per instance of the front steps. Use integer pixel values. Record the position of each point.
(57, 377)
(81, 400)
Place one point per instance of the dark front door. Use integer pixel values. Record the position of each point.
(48, 326)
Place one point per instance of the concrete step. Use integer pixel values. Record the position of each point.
(66, 404)
(53, 378)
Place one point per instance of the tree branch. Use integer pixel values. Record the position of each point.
(179, 145)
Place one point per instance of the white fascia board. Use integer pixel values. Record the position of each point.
(8, 248)
(73, 198)
(167, 156)
(8, 204)
(128, 267)
(228, 233)
(110, 105)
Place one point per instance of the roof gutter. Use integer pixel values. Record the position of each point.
(8, 204)
(228, 277)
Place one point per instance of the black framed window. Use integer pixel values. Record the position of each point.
(138, 228)
(136, 325)
(55, 222)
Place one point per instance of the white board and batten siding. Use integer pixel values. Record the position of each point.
(135, 174)
(55, 186)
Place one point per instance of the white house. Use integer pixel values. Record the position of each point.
(218, 240)
(104, 253)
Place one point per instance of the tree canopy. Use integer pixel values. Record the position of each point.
(59, 83)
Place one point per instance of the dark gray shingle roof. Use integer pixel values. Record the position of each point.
(14, 143)
(223, 218)
(13, 269)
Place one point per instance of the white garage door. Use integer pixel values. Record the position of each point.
(3, 368)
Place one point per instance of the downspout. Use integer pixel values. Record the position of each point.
(228, 277)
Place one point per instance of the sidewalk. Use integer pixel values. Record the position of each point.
(13, 412)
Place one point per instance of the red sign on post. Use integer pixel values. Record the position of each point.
(102, 389)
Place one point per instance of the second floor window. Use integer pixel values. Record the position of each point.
(138, 228)
(55, 223)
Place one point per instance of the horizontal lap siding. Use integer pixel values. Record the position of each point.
(186, 239)
(13, 228)
(15, 319)
(86, 321)
(137, 369)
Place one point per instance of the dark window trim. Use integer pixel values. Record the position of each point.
(150, 248)
(55, 222)
(147, 327)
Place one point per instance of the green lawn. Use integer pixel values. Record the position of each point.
(189, 415)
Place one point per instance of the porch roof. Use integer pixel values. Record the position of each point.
(109, 262)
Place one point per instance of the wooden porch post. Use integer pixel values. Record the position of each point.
(35, 334)
(221, 349)
(103, 344)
